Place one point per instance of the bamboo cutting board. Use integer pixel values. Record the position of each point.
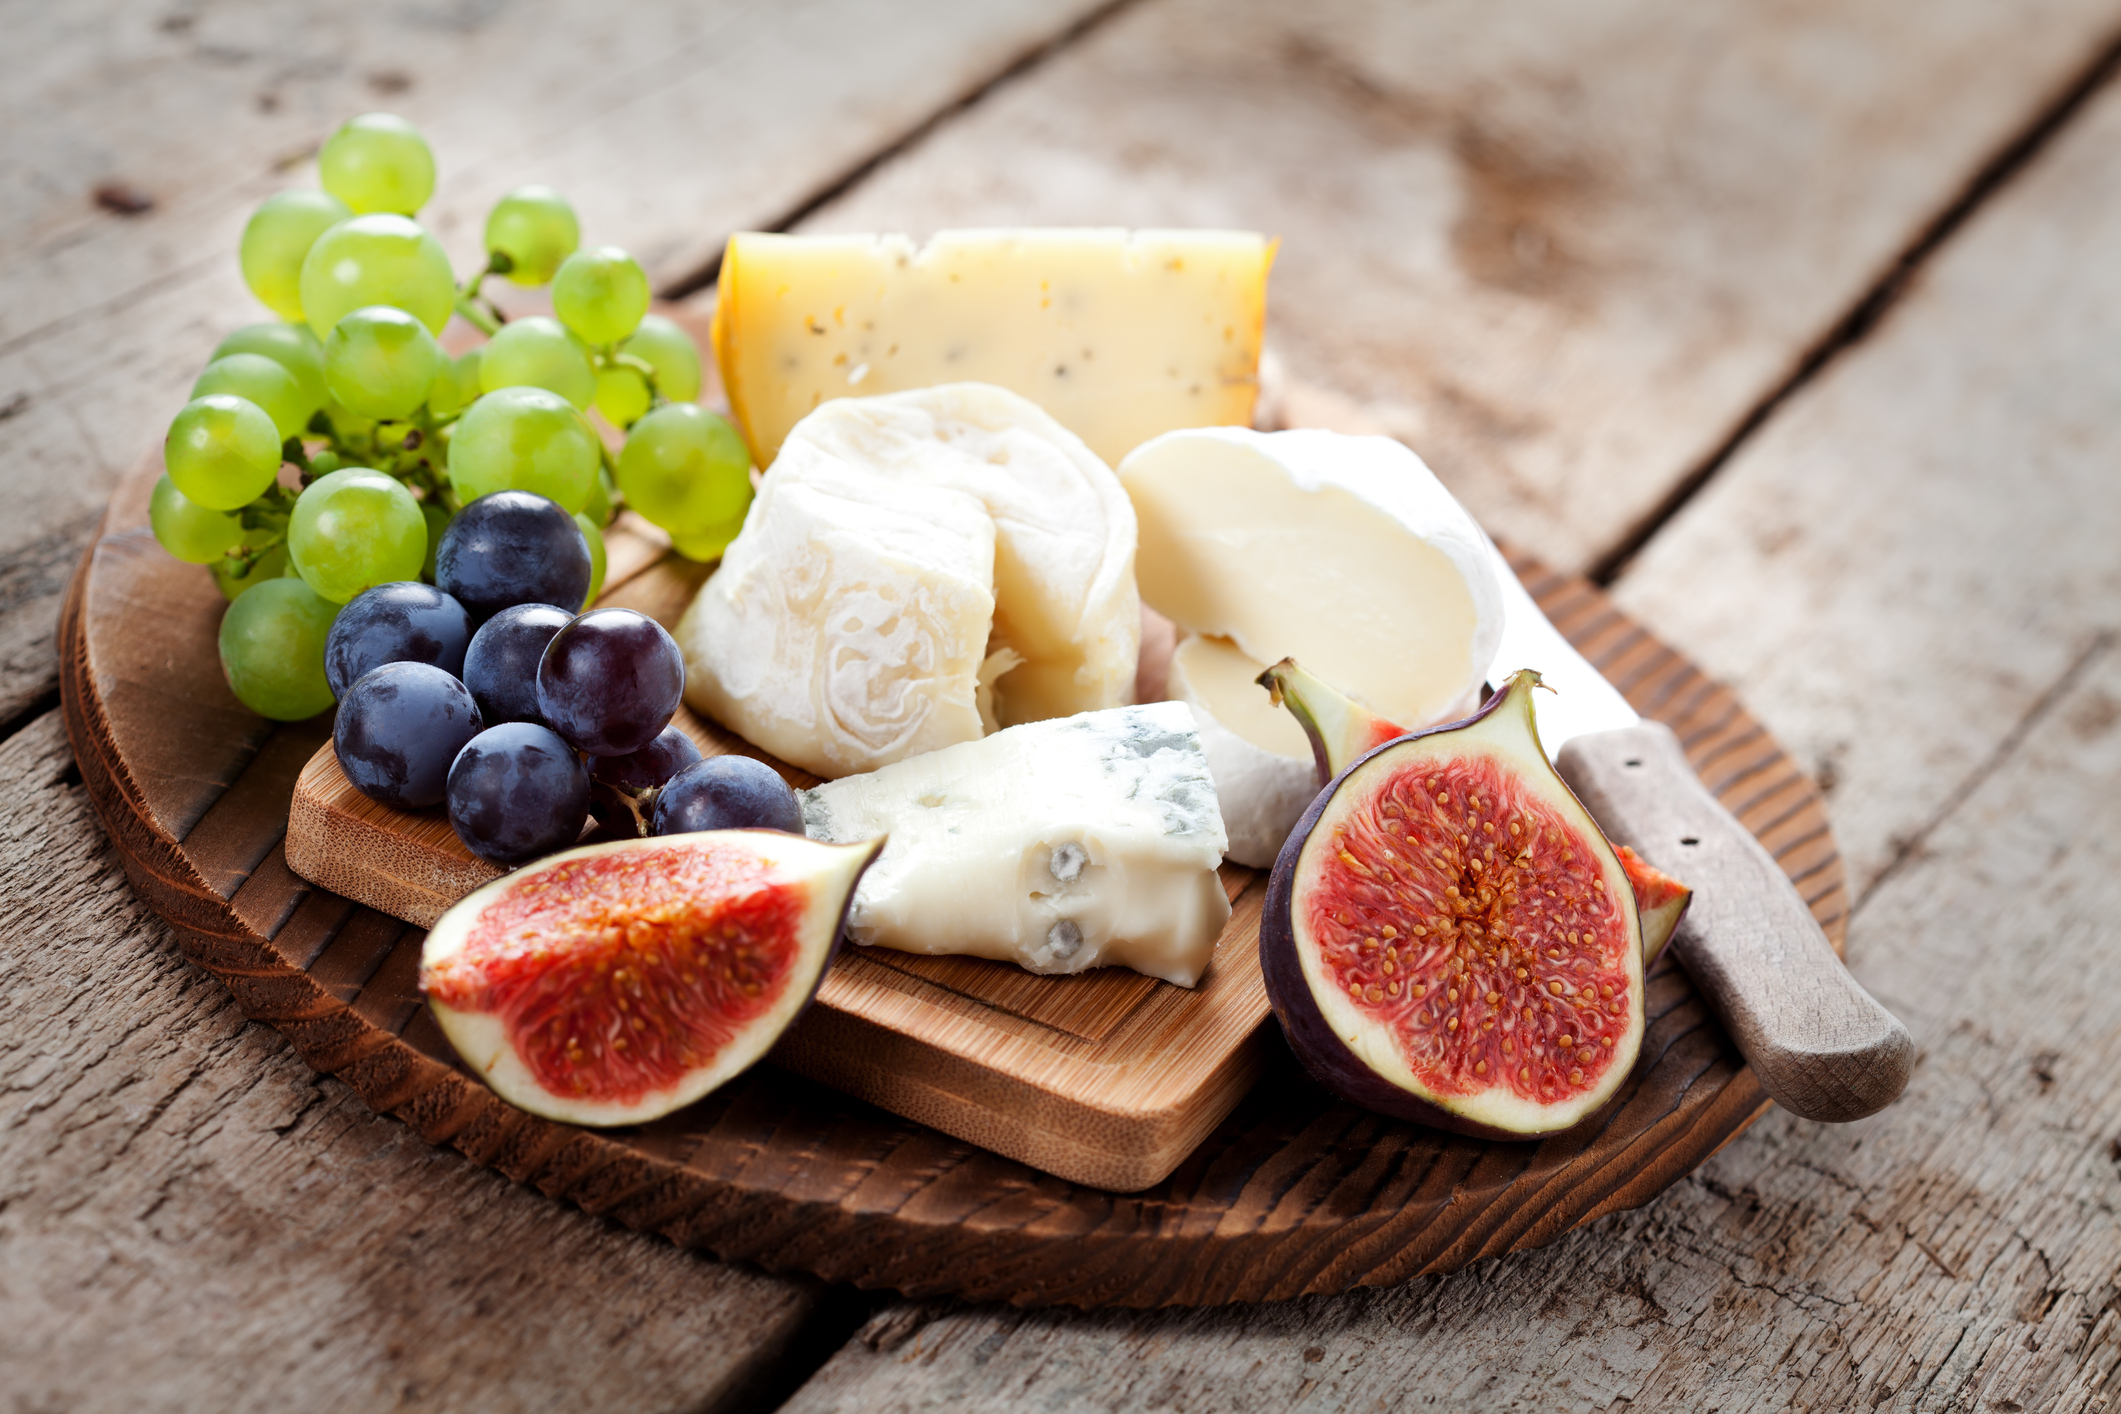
(1107, 1078)
(1293, 1193)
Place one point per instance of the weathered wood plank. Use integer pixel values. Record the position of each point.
(667, 125)
(1563, 250)
(191, 1218)
(1900, 567)
(1961, 1250)
(1938, 512)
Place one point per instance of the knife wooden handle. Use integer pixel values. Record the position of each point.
(1822, 1046)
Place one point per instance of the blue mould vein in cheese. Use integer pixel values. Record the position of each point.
(1085, 841)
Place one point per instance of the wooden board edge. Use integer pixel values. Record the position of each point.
(1068, 1136)
(852, 1238)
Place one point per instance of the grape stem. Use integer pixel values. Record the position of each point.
(482, 312)
(245, 557)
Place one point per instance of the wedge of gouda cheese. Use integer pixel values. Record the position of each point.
(1119, 335)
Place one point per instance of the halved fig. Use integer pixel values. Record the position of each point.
(1342, 729)
(614, 983)
(1660, 901)
(1448, 938)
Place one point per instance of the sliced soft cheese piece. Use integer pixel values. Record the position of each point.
(1121, 336)
(915, 570)
(1091, 841)
(1264, 773)
(1343, 552)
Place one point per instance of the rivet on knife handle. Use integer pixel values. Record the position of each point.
(1822, 1046)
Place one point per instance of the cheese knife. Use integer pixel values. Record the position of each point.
(1823, 1047)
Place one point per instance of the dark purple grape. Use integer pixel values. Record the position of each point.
(517, 791)
(610, 680)
(402, 622)
(399, 728)
(671, 752)
(513, 547)
(501, 666)
(726, 793)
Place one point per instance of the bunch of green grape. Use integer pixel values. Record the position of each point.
(326, 453)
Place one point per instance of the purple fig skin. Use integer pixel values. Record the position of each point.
(1310, 1036)
(839, 931)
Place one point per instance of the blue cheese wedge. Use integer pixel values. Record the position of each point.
(1087, 841)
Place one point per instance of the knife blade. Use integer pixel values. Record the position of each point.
(1823, 1047)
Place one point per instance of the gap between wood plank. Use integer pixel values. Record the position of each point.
(45, 701)
(838, 186)
(1909, 847)
(838, 1316)
(1865, 316)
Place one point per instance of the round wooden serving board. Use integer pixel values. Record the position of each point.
(1294, 1193)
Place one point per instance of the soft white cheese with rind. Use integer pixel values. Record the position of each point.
(1090, 841)
(1120, 335)
(915, 570)
(1345, 553)
(1265, 774)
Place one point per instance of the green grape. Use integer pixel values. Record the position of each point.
(324, 463)
(524, 439)
(601, 294)
(279, 235)
(272, 649)
(664, 345)
(687, 470)
(232, 580)
(353, 530)
(594, 534)
(437, 517)
(456, 384)
(190, 532)
(599, 507)
(622, 396)
(377, 260)
(293, 346)
(705, 546)
(222, 451)
(381, 361)
(535, 228)
(378, 162)
(538, 353)
(264, 382)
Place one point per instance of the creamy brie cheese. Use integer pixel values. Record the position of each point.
(1265, 774)
(916, 570)
(1342, 552)
(1088, 841)
(1120, 335)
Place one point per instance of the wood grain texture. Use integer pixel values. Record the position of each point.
(1107, 1079)
(191, 1217)
(1922, 546)
(668, 129)
(1563, 250)
(1911, 571)
(1959, 1251)
(1292, 1193)
(1821, 1045)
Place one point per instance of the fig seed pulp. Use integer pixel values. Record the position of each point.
(612, 982)
(1449, 938)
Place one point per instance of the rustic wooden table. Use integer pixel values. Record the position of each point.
(1796, 324)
